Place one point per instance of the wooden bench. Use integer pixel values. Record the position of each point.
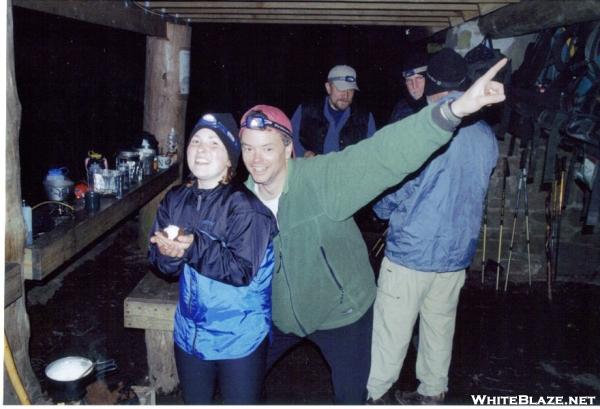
(151, 307)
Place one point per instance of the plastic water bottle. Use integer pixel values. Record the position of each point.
(172, 142)
(27, 216)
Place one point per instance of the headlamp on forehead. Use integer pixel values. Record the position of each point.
(209, 121)
(414, 71)
(347, 78)
(258, 120)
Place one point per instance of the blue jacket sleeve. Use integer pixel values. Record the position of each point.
(296, 120)
(236, 258)
(167, 265)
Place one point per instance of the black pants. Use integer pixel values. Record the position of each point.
(240, 380)
(347, 350)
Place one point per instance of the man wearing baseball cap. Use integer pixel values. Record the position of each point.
(414, 68)
(323, 285)
(335, 122)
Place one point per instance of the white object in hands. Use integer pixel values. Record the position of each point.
(171, 231)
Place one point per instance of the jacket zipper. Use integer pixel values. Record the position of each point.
(337, 282)
(290, 292)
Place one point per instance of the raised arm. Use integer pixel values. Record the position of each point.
(348, 180)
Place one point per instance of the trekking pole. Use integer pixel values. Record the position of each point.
(484, 238)
(525, 196)
(505, 174)
(380, 243)
(515, 215)
(548, 244)
(559, 209)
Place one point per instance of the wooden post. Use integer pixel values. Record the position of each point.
(165, 100)
(16, 320)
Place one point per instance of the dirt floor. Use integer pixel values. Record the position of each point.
(505, 344)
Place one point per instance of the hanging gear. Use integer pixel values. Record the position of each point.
(485, 210)
(521, 184)
(505, 174)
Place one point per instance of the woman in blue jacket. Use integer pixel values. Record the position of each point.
(217, 236)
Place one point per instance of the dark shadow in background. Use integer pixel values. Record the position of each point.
(81, 85)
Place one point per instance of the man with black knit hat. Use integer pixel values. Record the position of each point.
(414, 68)
(434, 227)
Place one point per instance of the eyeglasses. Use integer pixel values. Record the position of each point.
(347, 78)
(210, 121)
(258, 120)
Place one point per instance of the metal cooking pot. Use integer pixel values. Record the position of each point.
(68, 377)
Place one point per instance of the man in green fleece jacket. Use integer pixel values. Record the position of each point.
(323, 285)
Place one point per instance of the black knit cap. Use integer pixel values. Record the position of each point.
(447, 71)
(414, 63)
(226, 128)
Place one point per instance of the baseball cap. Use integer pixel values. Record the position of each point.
(343, 77)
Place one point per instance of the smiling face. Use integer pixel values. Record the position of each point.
(339, 100)
(207, 158)
(415, 84)
(265, 156)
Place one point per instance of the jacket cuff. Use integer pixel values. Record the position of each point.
(443, 117)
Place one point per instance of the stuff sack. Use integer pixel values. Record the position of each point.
(482, 57)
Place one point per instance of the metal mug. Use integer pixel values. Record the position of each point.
(164, 161)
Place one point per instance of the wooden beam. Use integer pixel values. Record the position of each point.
(12, 283)
(183, 13)
(439, 25)
(486, 8)
(233, 18)
(112, 13)
(308, 5)
(469, 14)
(535, 15)
(455, 21)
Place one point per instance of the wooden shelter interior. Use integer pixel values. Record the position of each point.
(168, 27)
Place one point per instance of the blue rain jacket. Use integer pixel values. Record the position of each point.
(224, 309)
(435, 217)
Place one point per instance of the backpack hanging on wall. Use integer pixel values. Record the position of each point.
(482, 57)
(479, 60)
(584, 121)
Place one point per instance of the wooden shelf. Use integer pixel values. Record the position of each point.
(54, 248)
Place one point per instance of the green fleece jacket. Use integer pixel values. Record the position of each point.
(323, 278)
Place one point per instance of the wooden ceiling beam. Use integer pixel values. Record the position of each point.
(304, 5)
(485, 8)
(231, 17)
(408, 13)
(437, 25)
(469, 14)
(111, 13)
(309, 3)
